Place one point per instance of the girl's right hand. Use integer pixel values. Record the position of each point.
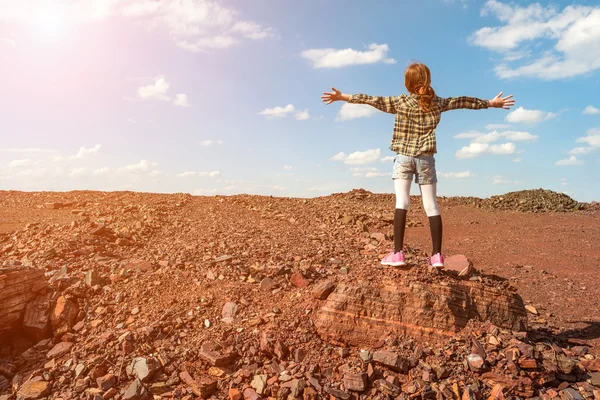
(336, 95)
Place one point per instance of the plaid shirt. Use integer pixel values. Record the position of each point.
(414, 130)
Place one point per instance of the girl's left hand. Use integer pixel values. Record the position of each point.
(502, 102)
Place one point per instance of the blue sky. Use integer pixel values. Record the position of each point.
(224, 97)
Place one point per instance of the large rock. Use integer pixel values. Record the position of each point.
(16, 284)
(36, 321)
(64, 316)
(362, 315)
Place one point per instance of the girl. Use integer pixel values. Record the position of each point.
(417, 116)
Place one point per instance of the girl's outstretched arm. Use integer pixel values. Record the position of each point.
(454, 103)
(385, 104)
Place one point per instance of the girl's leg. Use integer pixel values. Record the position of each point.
(402, 187)
(429, 196)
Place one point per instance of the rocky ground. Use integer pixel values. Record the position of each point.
(174, 296)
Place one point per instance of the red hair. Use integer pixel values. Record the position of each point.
(417, 80)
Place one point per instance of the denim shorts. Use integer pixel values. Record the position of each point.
(422, 167)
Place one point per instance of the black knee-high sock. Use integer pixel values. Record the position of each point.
(435, 226)
(399, 227)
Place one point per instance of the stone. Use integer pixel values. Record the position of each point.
(531, 309)
(356, 382)
(392, 361)
(92, 278)
(106, 382)
(250, 394)
(460, 264)
(595, 379)
(338, 394)
(267, 284)
(229, 312)
(33, 390)
(212, 353)
(570, 394)
(323, 290)
(476, 362)
(53, 206)
(64, 316)
(16, 284)
(387, 388)
(362, 315)
(299, 281)
(36, 321)
(60, 349)
(366, 355)
(310, 394)
(137, 391)
(528, 363)
(234, 394)
(144, 368)
(259, 383)
(204, 387)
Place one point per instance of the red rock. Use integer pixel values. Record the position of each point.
(362, 315)
(212, 353)
(355, 382)
(229, 311)
(460, 264)
(298, 280)
(53, 206)
(33, 390)
(323, 290)
(203, 388)
(391, 360)
(250, 394)
(475, 362)
(528, 363)
(64, 316)
(59, 349)
(106, 382)
(36, 322)
(235, 394)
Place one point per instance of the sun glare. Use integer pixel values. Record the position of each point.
(50, 21)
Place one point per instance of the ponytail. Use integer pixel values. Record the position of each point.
(417, 80)
(426, 95)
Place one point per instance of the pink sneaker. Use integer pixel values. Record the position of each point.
(437, 260)
(394, 259)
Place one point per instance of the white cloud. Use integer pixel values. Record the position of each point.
(493, 127)
(28, 150)
(337, 58)
(20, 163)
(518, 159)
(524, 116)
(477, 137)
(456, 175)
(78, 172)
(476, 149)
(358, 157)
(591, 110)
(156, 90)
(189, 174)
(278, 112)
(592, 138)
(368, 172)
(133, 121)
(9, 41)
(210, 142)
(574, 31)
(102, 171)
(352, 111)
(144, 166)
(569, 161)
(564, 182)
(181, 100)
(86, 151)
(501, 180)
(581, 150)
(388, 159)
(302, 115)
(287, 167)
